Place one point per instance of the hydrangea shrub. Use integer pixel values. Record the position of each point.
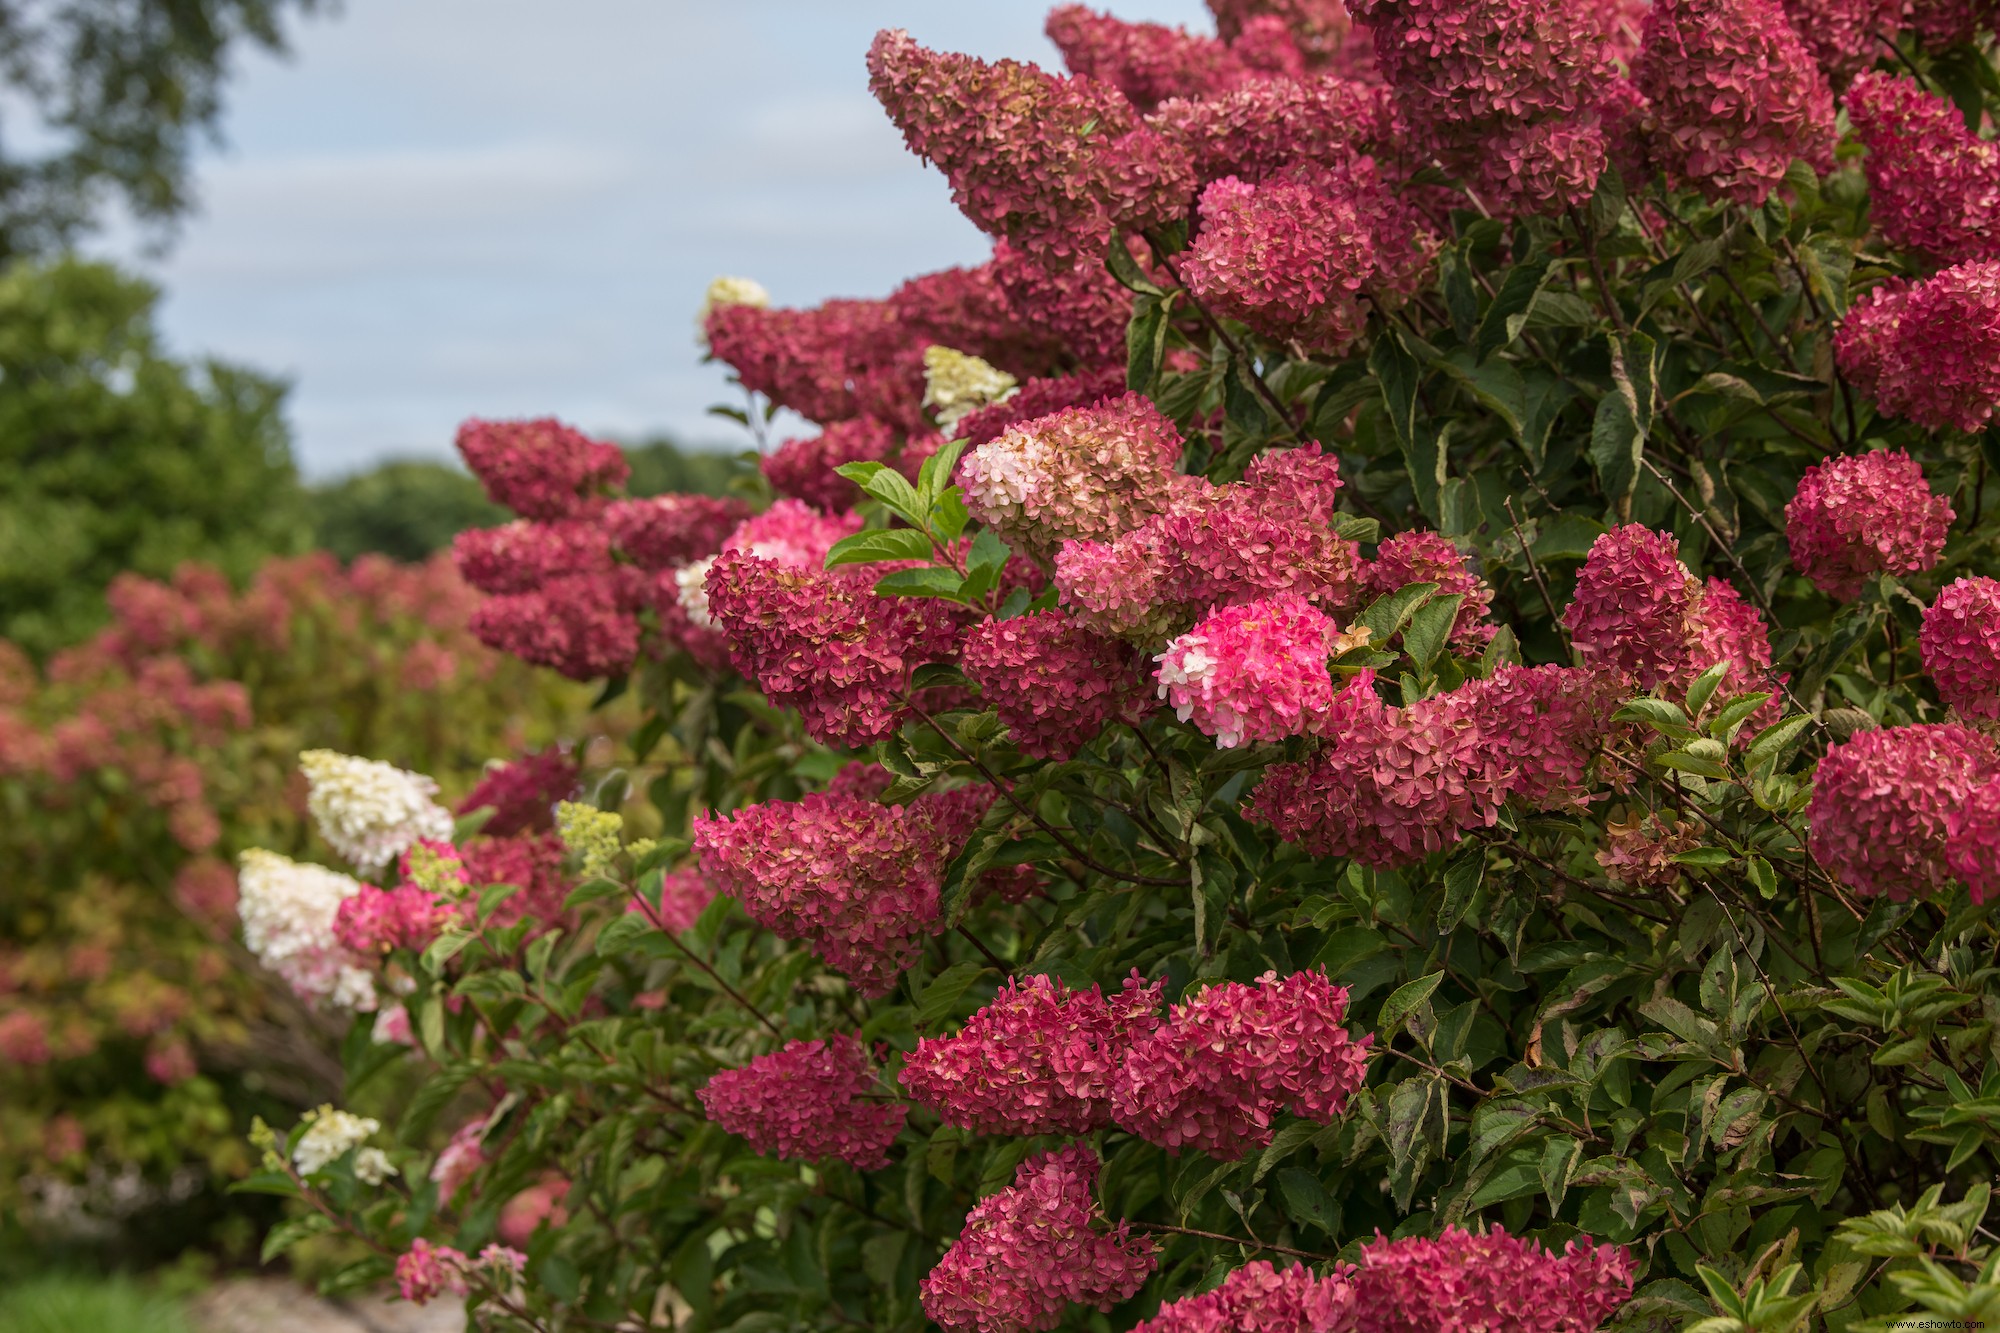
(1383, 723)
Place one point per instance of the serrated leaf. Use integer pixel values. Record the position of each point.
(1659, 714)
(1405, 1000)
(1703, 688)
(1430, 626)
(930, 581)
(1462, 877)
(887, 485)
(878, 544)
(1387, 613)
(1512, 305)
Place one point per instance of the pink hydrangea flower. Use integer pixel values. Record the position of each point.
(1929, 351)
(825, 645)
(1882, 802)
(1430, 557)
(791, 533)
(684, 895)
(541, 469)
(375, 921)
(1258, 1298)
(581, 627)
(1039, 398)
(1148, 62)
(856, 881)
(970, 309)
(1933, 185)
(1121, 588)
(459, 1160)
(1635, 606)
(1729, 630)
(1500, 91)
(1254, 671)
(804, 468)
(1082, 305)
(1961, 646)
(833, 362)
(1033, 1250)
(427, 1271)
(1464, 1282)
(1052, 164)
(1213, 1076)
(1054, 683)
(1270, 533)
(523, 793)
(1733, 96)
(1040, 1059)
(1972, 843)
(523, 555)
(1540, 730)
(810, 1100)
(1262, 129)
(1087, 473)
(666, 531)
(1860, 514)
(1289, 258)
(1942, 23)
(24, 1038)
(1319, 29)
(1641, 851)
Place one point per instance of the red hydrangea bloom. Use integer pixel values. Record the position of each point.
(1541, 728)
(1635, 606)
(856, 881)
(824, 644)
(1262, 129)
(1033, 1250)
(1081, 304)
(1430, 557)
(375, 921)
(1961, 645)
(665, 531)
(1729, 629)
(541, 469)
(1053, 682)
(792, 534)
(1090, 472)
(1463, 1282)
(1148, 62)
(968, 309)
(1258, 1298)
(804, 468)
(1933, 184)
(1845, 37)
(1733, 96)
(1928, 351)
(1120, 588)
(808, 1101)
(1040, 1059)
(1882, 801)
(1225, 1062)
(1941, 23)
(522, 556)
(1391, 785)
(684, 896)
(523, 793)
(534, 862)
(838, 360)
(1500, 91)
(1972, 846)
(1319, 29)
(1269, 533)
(1860, 514)
(1253, 671)
(1039, 398)
(1285, 258)
(581, 627)
(1052, 164)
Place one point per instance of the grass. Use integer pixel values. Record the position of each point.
(65, 1303)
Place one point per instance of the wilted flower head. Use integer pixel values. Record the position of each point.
(1961, 646)
(1254, 671)
(541, 469)
(956, 383)
(808, 1101)
(1261, 1299)
(370, 812)
(1640, 851)
(1733, 96)
(329, 1136)
(1882, 802)
(1033, 1250)
(1635, 606)
(1040, 1059)
(1494, 1283)
(1228, 1061)
(1928, 351)
(288, 910)
(1860, 514)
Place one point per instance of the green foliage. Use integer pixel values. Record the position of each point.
(61, 1303)
(660, 466)
(406, 509)
(118, 458)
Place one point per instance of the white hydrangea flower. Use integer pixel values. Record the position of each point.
(956, 383)
(372, 1166)
(329, 1134)
(728, 291)
(692, 581)
(288, 909)
(370, 812)
(1005, 475)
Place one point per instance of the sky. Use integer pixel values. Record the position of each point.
(435, 209)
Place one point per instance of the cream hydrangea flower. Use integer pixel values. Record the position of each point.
(329, 1135)
(288, 910)
(957, 383)
(370, 812)
(728, 291)
(691, 581)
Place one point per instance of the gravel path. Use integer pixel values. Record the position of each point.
(273, 1305)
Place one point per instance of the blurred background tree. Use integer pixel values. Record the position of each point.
(118, 457)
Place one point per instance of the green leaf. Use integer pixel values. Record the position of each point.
(1512, 305)
(1462, 877)
(1307, 1201)
(291, 1231)
(1146, 342)
(1118, 258)
(934, 474)
(1703, 689)
(1662, 716)
(1404, 1002)
(890, 487)
(930, 581)
(1771, 741)
(1386, 614)
(945, 991)
(1398, 374)
(1430, 626)
(1706, 858)
(879, 544)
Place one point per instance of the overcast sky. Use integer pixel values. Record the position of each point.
(439, 208)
